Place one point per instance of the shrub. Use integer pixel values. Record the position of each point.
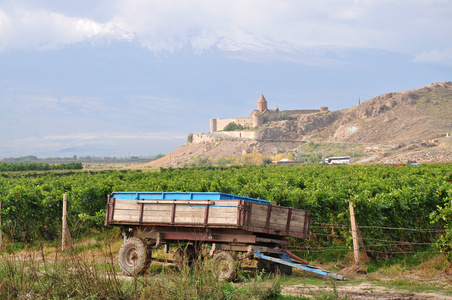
(190, 138)
(232, 127)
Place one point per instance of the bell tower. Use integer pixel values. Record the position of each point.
(262, 104)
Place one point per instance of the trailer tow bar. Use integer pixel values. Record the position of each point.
(286, 260)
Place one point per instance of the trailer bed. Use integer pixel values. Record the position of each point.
(206, 210)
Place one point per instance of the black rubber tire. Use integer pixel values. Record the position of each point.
(224, 266)
(133, 257)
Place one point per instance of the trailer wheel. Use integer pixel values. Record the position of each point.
(133, 256)
(224, 267)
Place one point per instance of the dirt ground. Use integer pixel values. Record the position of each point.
(360, 291)
(412, 285)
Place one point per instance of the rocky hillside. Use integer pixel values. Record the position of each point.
(391, 128)
(395, 118)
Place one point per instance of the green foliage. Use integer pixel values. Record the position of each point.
(383, 196)
(233, 127)
(443, 216)
(267, 161)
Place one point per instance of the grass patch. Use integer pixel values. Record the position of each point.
(90, 271)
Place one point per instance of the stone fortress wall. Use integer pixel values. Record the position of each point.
(250, 122)
(258, 120)
(224, 135)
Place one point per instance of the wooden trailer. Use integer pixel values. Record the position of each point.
(236, 226)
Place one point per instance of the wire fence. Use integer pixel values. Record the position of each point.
(339, 239)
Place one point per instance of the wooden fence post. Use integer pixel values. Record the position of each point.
(354, 234)
(66, 241)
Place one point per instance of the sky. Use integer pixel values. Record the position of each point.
(134, 78)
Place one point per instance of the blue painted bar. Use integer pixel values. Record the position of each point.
(285, 260)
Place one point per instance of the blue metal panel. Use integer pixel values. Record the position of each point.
(183, 196)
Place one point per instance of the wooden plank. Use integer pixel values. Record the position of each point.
(126, 204)
(299, 221)
(161, 208)
(220, 211)
(222, 221)
(232, 218)
(278, 217)
(127, 216)
(259, 215)
(128, 212)
(189, 220)
(186, 214)
(279, 209)
(257, 208)
(196, 209)
(157, 219)
(226, 203)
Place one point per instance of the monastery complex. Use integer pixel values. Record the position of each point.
(257, 119)
(258, 115)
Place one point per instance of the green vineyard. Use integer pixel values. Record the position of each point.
(383, 196)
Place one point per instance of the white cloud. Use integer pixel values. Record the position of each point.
(410, 27)
(439, 57)
(44, 29)
(5, 29)
(395, 25)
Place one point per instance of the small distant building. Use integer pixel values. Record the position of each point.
(288, 161)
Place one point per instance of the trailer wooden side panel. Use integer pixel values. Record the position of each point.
(276, 220)
(218, 212)
(241, 214)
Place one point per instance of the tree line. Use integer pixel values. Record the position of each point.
(6, 167)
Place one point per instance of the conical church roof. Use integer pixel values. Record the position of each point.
(262, 99)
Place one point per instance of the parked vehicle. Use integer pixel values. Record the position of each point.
(338, 160)
(237, 228)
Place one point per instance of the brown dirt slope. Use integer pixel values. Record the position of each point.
(403, 117)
